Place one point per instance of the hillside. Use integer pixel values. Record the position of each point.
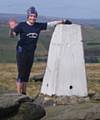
(90, 32)
(91, 42)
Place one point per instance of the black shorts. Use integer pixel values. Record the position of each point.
(24, 63)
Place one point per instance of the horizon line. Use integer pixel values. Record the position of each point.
(54, 16)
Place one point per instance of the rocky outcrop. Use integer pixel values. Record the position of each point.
(45, 100)
(19, 107)
(83, 111)
(71, 108)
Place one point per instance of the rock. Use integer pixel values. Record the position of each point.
(8, 105)
(40, 100)
(91, 93)
(60, 100)
(83, 111)
(38, 77)
(96, 97)
(19, 107)
(29, 111)
(65, 100)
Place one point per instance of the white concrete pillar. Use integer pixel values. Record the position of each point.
(65, 72)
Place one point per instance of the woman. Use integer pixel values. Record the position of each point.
(29, 33)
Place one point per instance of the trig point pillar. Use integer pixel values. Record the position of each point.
(65, 72)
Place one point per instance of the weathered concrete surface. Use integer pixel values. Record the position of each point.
(65, 72)
(19, 107)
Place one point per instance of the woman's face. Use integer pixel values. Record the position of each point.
(32, 18)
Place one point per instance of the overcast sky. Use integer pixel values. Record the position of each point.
(56, 8)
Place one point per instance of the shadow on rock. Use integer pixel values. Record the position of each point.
(19, 107)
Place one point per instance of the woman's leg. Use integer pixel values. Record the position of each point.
(19, 87)
(29, 63)
(21, 58)
(24, 64)
(24, 88)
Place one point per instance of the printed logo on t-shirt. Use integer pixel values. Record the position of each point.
(32, 35)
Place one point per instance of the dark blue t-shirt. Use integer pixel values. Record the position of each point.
(29, 34)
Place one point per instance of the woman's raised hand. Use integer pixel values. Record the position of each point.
(12, 23)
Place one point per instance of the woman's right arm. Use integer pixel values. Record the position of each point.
(54, 23)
